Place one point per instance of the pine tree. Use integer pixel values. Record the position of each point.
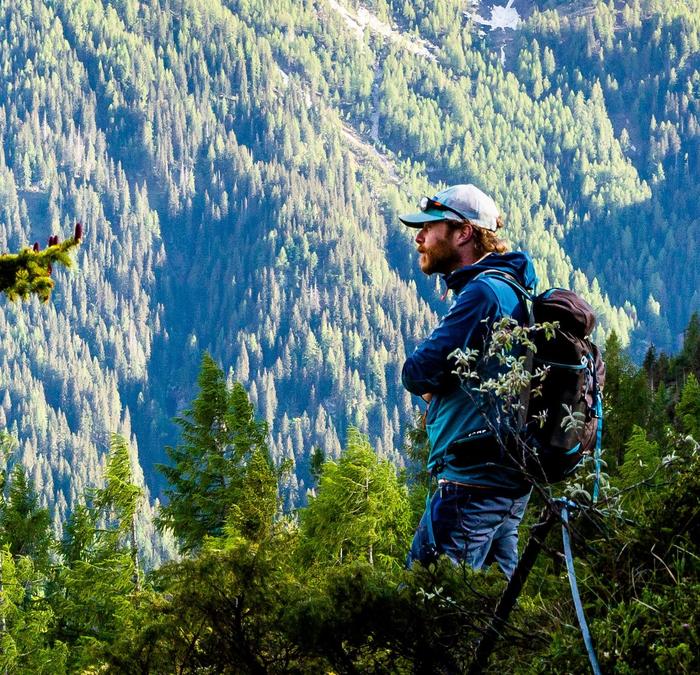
(214, 470)
(361, 509)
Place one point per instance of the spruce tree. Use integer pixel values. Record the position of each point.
(222, 470)
(25, 527)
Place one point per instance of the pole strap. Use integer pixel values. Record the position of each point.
(429, 517)
(580, 615)
(598, 446)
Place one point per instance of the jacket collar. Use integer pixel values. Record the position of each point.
(515, 263)
(457, 280)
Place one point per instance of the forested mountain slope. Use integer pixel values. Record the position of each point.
(239, 166)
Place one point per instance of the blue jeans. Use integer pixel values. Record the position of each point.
(470, 528)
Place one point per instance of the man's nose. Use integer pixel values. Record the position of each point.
(420, 237)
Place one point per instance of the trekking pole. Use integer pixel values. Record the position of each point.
(538, 534)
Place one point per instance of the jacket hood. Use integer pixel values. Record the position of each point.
(516, 263)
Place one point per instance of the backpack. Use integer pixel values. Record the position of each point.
(548, 445)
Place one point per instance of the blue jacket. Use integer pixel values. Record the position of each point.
(462, 445)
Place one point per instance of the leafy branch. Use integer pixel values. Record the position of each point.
(29, 271)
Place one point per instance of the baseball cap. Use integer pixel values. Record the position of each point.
(458, 202)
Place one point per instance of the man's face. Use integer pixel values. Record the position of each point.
(437, 246)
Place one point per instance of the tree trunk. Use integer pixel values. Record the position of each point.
(539, 532)
(135, 555)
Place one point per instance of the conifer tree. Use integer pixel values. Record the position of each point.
(361, 509)
(93, 590)
(642, 459)
(25, 622)
(688, 408)
(29, 271)
(25, 527)
(689, 358)
(626, 398)
(222, 469)
(120, 498)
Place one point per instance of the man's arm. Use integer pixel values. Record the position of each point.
(429, 370)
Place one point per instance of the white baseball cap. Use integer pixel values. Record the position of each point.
(458, 202)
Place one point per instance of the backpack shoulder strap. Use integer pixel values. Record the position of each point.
(529, 354)
(509, 279)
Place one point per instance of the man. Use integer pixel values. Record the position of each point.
(474, 514)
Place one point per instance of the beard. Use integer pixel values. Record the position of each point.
(441, 257)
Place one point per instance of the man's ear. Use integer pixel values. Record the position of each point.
(465, 234)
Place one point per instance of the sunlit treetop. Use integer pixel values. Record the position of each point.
(29, 271)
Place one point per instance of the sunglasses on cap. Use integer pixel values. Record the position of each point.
(427, 203)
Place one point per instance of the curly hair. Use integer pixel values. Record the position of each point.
(485, 241)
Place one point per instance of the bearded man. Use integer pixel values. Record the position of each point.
(474, 514)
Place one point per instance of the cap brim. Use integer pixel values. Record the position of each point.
(418, 219)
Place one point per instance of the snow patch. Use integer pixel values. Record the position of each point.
(370, 153)
(501, 16)
(363, 19)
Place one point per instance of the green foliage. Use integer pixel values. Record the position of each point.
(416, 476)
(641, 463)
(120, 497)
(241, 170)
(25, 621)
(361, 511)
(223, 611)
(221, 472)
(94, 590)
(625, 399)
(688, 361)
(246, 165)
(25, 527)
(29, 271)
(688, 408)
(326, 592)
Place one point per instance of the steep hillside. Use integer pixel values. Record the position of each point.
(239, 167)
